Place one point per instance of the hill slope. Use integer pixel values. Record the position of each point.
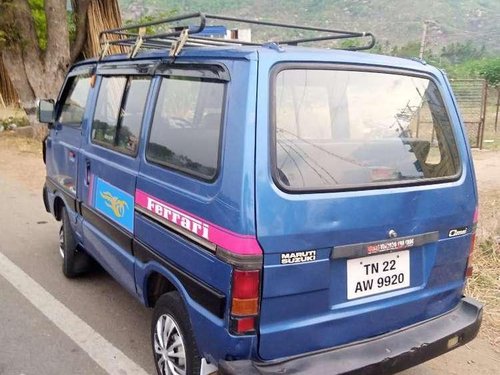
(396, 22)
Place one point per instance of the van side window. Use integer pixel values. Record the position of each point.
(186, 129)
(129, 124)
(74, 99)
(118, 113)
(107, 110)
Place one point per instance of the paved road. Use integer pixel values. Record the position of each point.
(52, 325)
(31, 343)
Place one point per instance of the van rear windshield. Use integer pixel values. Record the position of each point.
(337, 129)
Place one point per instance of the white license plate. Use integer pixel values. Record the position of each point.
(377, 274)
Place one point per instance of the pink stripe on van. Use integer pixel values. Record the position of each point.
(230, 241)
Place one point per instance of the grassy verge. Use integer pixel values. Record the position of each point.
(485, 281)
(28, 145)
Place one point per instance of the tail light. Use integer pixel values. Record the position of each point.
(245, 301)
(469, 269)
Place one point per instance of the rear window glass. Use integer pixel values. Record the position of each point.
(336, 129)
(186, 126)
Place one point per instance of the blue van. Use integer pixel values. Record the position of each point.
(284, 209)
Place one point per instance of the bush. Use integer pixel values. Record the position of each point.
(13, 122)
(491, 71)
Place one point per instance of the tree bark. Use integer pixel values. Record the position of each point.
(80, 7)
(23, 60)
(40, 74)
(7, 89)
(12, 59)
(36, 74)
(57, 58)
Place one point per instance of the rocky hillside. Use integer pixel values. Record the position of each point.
(394, 21)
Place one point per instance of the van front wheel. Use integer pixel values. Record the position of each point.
(172, 338)
(74, 260)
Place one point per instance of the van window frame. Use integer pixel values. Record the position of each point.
(214, 73)
(276, 69)
(124, 96)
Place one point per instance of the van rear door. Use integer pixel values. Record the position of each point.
(365, 204)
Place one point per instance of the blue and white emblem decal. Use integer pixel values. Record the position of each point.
(115, 204)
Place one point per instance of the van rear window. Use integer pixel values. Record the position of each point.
(339, 129)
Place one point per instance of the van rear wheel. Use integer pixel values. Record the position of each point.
(74, 261)
(174, 347)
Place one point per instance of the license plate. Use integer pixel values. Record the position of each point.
(377, 274)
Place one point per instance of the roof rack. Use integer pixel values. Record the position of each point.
(137, 36)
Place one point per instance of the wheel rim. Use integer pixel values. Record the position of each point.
(61, 241)
(170, 352)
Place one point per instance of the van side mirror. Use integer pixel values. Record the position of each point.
(45, 112)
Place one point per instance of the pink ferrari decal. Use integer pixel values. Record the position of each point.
(233, 242)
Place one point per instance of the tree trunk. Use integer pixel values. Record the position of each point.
(14, 63)
(80, 9)
(36, 74)
(57, 55)
(40, 74)
(8, 92)
(22, 60)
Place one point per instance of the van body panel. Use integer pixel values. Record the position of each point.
(232, 190)
(116, 257)
(310, 299)
(226, 202)
(186, 255)
(213, 340)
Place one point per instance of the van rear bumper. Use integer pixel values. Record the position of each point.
(388, 353)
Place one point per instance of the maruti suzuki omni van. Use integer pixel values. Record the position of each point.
(283, 208)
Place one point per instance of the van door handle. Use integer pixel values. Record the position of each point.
(87, 172)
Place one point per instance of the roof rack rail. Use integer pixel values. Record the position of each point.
(178, 37)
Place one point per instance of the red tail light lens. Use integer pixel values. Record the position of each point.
(246, 284)
(245, 300)
(243, 325)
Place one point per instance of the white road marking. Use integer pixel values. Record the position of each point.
(105, 354)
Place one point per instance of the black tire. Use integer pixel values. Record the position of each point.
(75, 261)
(170, 305)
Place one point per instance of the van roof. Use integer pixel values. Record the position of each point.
(278, 54)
